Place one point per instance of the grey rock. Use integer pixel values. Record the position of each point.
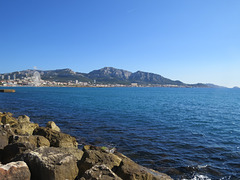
(51, 163)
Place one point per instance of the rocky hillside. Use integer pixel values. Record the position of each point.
(106, 75)
(113, 75)
(59, 75)
(28, 151)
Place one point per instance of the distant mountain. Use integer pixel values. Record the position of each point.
(106, 75)
(214, 86)
(150, 78)
(110, 75)
(113, 75)
(59, 75)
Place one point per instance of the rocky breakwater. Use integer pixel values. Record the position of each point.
(28, 151)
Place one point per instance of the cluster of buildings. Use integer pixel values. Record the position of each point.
(35, 80)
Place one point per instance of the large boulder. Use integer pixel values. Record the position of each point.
(56, 139)
(97, 156)
(129, 170)
(35, 140)
(51, 163)
(100, 172)
(15, 171)
(53, 126)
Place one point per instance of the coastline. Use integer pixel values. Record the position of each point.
(33, 152)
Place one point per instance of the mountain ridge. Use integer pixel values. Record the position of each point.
(106, 75)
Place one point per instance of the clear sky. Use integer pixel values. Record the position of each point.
(188, 40)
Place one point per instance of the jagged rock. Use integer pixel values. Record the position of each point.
(93, 157)
(15, 171)
(23, 119)
(6, 129)
(53, 126)
(7, 113)
(35, 140)
(100, 172)
(129, 170)
(7, 119)
(12, 150)
(24, 128)
(56, 139)
(20, 126)
(51, 163)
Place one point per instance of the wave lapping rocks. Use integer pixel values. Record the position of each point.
(40, 153)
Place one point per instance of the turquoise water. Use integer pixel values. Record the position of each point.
(186, 133)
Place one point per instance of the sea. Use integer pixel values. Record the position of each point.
(187, 133)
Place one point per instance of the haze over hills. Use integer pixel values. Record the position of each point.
(106, 75)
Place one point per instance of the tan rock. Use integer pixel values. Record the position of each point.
(23, 119)
(6, 119)
(129, 170)
(24, 128)
(35, 140)
(56, 139)
(53, 126)
(15, 171)
(93, 157)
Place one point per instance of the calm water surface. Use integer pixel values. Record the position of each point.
(186, 133)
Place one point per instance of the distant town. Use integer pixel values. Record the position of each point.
(104, 77)
(34, 80)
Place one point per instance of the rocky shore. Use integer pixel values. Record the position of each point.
(28, 151)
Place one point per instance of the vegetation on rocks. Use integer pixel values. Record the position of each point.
(28, 151)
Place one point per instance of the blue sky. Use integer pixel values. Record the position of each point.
(188, 40)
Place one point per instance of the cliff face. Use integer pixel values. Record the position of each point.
(111, 73)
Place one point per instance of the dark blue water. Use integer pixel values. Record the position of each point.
(186, 133)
